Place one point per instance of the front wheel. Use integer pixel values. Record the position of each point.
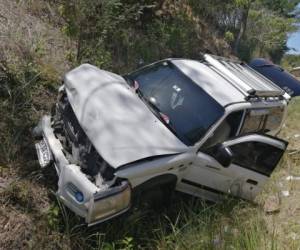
(157, 198)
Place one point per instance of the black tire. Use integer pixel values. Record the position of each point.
(156, 198)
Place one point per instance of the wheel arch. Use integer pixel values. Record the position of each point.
(166, 179)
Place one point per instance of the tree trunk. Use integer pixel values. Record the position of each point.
(79, 45)
(242, 28)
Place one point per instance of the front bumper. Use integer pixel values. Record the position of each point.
(96, 204)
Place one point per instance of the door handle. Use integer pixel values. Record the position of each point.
(253, 182)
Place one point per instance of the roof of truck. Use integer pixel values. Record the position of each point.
(211, 82)
(226, 80)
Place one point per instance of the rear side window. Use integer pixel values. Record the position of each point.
(262, 120)
(256, 156)
(274, 119)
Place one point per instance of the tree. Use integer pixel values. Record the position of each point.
(123, 31)
(268, 33)
(99, 27)
(282, 7)
(244, 6)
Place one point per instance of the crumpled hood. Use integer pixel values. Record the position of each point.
(117, 122)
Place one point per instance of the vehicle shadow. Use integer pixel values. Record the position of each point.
(145, 227)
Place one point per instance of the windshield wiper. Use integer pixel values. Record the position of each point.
(158, 113)
(129, 81)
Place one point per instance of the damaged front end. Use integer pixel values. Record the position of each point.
(87, 184)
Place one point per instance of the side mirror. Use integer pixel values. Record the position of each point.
(223, 155)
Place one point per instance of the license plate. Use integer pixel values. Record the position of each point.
(43, 152)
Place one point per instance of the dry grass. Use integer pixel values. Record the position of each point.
(32, 61)
(25, 38)
(286, 223)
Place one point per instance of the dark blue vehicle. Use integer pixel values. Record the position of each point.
(277, 75)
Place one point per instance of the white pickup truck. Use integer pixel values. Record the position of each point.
(206, 128)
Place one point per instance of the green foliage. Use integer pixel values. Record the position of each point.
(127, 243)
(282, 7)
(229, 36)
(268, 34)
(101, 28)
(53, 217)
(290, 61)
(189, 224)
(116, 34)
(269, 24)
(15, 93)
(242, 3)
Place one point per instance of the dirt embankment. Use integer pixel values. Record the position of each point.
(32, 60)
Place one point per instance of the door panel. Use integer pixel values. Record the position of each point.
(202, 170)
(241, 187)
(254, 159)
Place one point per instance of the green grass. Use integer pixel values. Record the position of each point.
(29, 205)
(190, 223)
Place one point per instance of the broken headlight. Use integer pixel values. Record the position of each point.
(110, 203)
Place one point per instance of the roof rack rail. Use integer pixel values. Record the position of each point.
(243, 77)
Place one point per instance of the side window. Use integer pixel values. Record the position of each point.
(226, 130)
(274, 119)
(262, 120)
(256, 156)
(253, 122)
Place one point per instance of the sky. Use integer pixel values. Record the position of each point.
(294, 41)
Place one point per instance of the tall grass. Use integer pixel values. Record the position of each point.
(188, 223)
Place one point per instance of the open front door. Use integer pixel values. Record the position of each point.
(253, 161)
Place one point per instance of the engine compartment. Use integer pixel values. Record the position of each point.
(76, 145)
